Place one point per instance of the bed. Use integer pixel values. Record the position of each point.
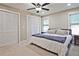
(53, 42)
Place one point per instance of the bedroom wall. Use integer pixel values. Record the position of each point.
(60, 19)
(23, 20)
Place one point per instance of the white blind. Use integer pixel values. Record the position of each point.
(74, 22)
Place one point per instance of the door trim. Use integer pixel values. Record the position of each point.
(9, 11)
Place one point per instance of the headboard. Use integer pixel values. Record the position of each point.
(70, 31)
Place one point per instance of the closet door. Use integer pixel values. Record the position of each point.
(9, 27)
(1, 16)
(34, 25)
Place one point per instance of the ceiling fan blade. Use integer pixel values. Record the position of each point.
(45, 9)
(30, 8)
(34, 4)
(45, 4)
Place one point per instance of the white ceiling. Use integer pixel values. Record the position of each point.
(54, 7)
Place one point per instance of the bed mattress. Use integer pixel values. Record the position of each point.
(51, 45)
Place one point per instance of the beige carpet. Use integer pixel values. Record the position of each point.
(74, 51)
(17, 51)
(27, 50)
(31, 50)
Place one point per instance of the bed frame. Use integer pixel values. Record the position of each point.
(44, 49)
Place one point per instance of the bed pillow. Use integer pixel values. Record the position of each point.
(62, 32)
(52, 31)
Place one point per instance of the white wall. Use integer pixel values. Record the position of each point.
(60, 19)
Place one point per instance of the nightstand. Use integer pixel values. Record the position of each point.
(76, 39)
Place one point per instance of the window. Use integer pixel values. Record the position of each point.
(45, 25)
(74, 22)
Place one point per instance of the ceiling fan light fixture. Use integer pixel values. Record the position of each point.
(69, 4)
(38, 9)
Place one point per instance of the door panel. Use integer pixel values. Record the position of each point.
(9, 27)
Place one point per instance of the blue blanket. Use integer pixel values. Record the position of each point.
(54, 38)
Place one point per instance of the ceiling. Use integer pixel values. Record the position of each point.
(54, 7)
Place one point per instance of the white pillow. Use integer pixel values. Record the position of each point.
(52, 31)
(62, 32)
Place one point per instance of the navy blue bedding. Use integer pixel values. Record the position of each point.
(54, 38)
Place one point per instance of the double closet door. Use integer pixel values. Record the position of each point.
(8, 28)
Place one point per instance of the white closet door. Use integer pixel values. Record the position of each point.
(9, 28)
(34, 25)
(1, 16)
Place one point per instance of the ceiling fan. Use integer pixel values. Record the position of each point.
(39, 7)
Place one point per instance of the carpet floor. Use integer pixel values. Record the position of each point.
(32, 50)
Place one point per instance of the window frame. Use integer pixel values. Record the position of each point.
(43, 25)
(69, 14)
